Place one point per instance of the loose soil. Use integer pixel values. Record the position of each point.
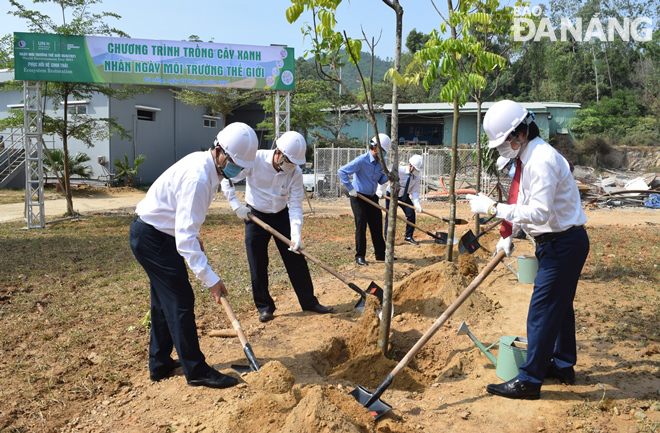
(311, 362)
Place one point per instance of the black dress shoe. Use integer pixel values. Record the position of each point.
(515, 389)
(411, 241)
(361, 261)
(266, 316)
(214, 379)
(165, 372)
(321, 309)
(565, 375)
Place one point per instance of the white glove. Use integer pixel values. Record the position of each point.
(505, 244)
(418, 207)
(295, 240)
(480, 203)
(353, 192)
(379, 193)
(242, 212)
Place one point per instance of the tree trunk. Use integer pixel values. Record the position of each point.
(65, 157)
(452, 183)
(479, 162)
(388, 277)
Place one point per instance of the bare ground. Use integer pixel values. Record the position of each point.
(312, 361)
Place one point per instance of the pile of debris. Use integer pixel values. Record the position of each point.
(619, 188)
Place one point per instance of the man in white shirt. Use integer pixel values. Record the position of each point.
(548, 208)
(274, 193)
(409, 180)
(164, 237)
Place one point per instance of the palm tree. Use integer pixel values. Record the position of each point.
(55, 164)
(125, 171)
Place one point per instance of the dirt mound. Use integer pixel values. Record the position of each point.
(431, 290)
(364, 334)
(328, 410)
(467, 265)
(272, 377)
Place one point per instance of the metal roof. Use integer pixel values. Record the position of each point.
(471, 107)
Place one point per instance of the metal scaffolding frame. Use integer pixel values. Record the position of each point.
(33, 116)
(282, 112)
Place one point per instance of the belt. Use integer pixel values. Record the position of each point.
(138, 219)
(547, 237)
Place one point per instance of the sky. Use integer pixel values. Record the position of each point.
(247, 22)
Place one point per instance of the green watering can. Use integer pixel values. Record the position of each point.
(511, 355)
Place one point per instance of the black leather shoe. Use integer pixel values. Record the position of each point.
(321, 309)
(411, 241)
(361, 261)
(515, 389)
(166, 372)
(214, 379)
(565, 376)
(266, 316)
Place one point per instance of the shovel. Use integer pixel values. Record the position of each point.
(376, 406)
(469, 241)
(373, 288)
(440, 238)
(457, 221)
(254, 365)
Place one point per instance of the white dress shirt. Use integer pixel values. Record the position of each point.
(548, 197)
(268, 190)
(413, 187)
(176, 204)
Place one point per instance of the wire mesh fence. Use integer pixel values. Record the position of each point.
(435, 176)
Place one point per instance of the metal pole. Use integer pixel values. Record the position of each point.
(32, 144)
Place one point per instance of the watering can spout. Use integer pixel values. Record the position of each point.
(463, 330)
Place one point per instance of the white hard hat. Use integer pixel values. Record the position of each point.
(385, 142)
(417, 162)
(292, 144)
(240, 142)
(501, 119)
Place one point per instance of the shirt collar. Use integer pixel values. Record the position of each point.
(270, 158)
(371, 157)
(210, 165)
(529, 149)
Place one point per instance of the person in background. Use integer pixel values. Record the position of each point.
(409, 180)
(164, 236)
(367, 173)
(545, 202)
(274, 193)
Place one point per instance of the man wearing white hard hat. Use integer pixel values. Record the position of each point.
(409, 180)
(274, 193)
(164, 237)
(544, 201)
(368, 174)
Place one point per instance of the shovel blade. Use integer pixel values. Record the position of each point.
(240, 369)
(468, 243)
(377, 409)
(360, 304)
(374, 289)
(441, 238)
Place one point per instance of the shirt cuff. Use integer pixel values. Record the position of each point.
(503, 210)
(209, 278)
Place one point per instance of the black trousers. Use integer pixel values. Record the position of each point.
(551, 318)
(256, 244)
(366, 214)
(410, 214)
(172, 301)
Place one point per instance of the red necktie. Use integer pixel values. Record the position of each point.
(506, 228)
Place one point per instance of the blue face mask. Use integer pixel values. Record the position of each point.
(231, 170)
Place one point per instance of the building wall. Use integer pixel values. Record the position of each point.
(177, 130)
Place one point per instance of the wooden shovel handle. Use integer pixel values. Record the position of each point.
(458, 220)
(448, 312)
(398, 216)
(284, 239)
(234, 320)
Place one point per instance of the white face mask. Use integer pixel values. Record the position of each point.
(287, 168)
(507, 151)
